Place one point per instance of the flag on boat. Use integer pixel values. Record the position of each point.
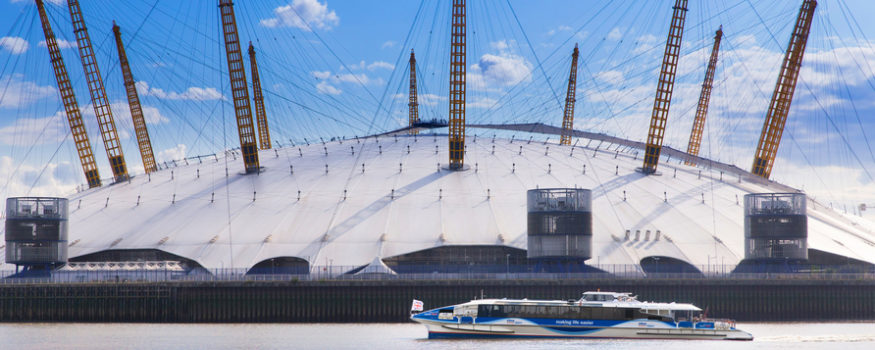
(417, 305)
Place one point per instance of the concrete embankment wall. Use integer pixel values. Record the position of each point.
(389, 301)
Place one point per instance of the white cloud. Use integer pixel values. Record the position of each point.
(35, 131)
(611, 77)
(355, 66)
(62, 44)
(422, 99)
(174, 153)
(122, 113)
(388, 44)
(743, 40)
(353, 78)
(14, 44)
(321, 74)
(855, 184)
(323, 87)
(303, 14)
(821, 67)
(430, 99)
(562, 28)
(380, 64)
(153, 115)
(192, 93)
(500, 45)
(615, 34)
(53, 129)
(55, 2)
(484, 102)
(824, 101)
(328, 82)
(362, 65)
(645, 43)
(52, 179)
(499, 70)
(16, 93)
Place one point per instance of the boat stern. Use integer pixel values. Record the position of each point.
(737, 334)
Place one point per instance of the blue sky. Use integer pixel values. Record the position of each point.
(339, 68)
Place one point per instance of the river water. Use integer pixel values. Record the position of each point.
(796, 336)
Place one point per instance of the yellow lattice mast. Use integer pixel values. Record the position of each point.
(704, 98)
(258, 98)
(776, 117)
(239, 89)
(568, 118)
(98, 95)
(134, 102)
(664, 89)
(71, 107)
(413, 105)
(457, 87)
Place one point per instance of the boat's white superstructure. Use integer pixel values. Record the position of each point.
(595, 315)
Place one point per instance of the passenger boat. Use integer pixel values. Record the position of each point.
(594, 315)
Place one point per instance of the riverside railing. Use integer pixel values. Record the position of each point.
(317, 273)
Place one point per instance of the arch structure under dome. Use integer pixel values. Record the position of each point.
(461, 259)
(137, 255)
(665, 264)
(281, 265)
(839, 263)
(818, 260)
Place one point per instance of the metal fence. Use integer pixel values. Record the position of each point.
(317, 273)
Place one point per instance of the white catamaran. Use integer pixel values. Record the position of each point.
(595, 315)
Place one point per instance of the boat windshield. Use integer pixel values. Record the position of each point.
(594, 296)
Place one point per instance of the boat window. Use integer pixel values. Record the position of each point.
(466, 310)
(491, 311)
(558, 312)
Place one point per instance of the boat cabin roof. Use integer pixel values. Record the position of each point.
(593, 299)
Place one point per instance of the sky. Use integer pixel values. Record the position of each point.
(339, 69)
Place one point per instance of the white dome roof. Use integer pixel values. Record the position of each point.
(401, 201)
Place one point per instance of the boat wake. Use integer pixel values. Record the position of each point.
(845, 338)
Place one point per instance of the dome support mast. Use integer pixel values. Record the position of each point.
(239, 89)
(258, 99)
(704, 99)
(71, 107)
(99, 101)
(413, 105)
(776, 117)
(134, 102)
(568, 119)
(457, 87)
(664, 89)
